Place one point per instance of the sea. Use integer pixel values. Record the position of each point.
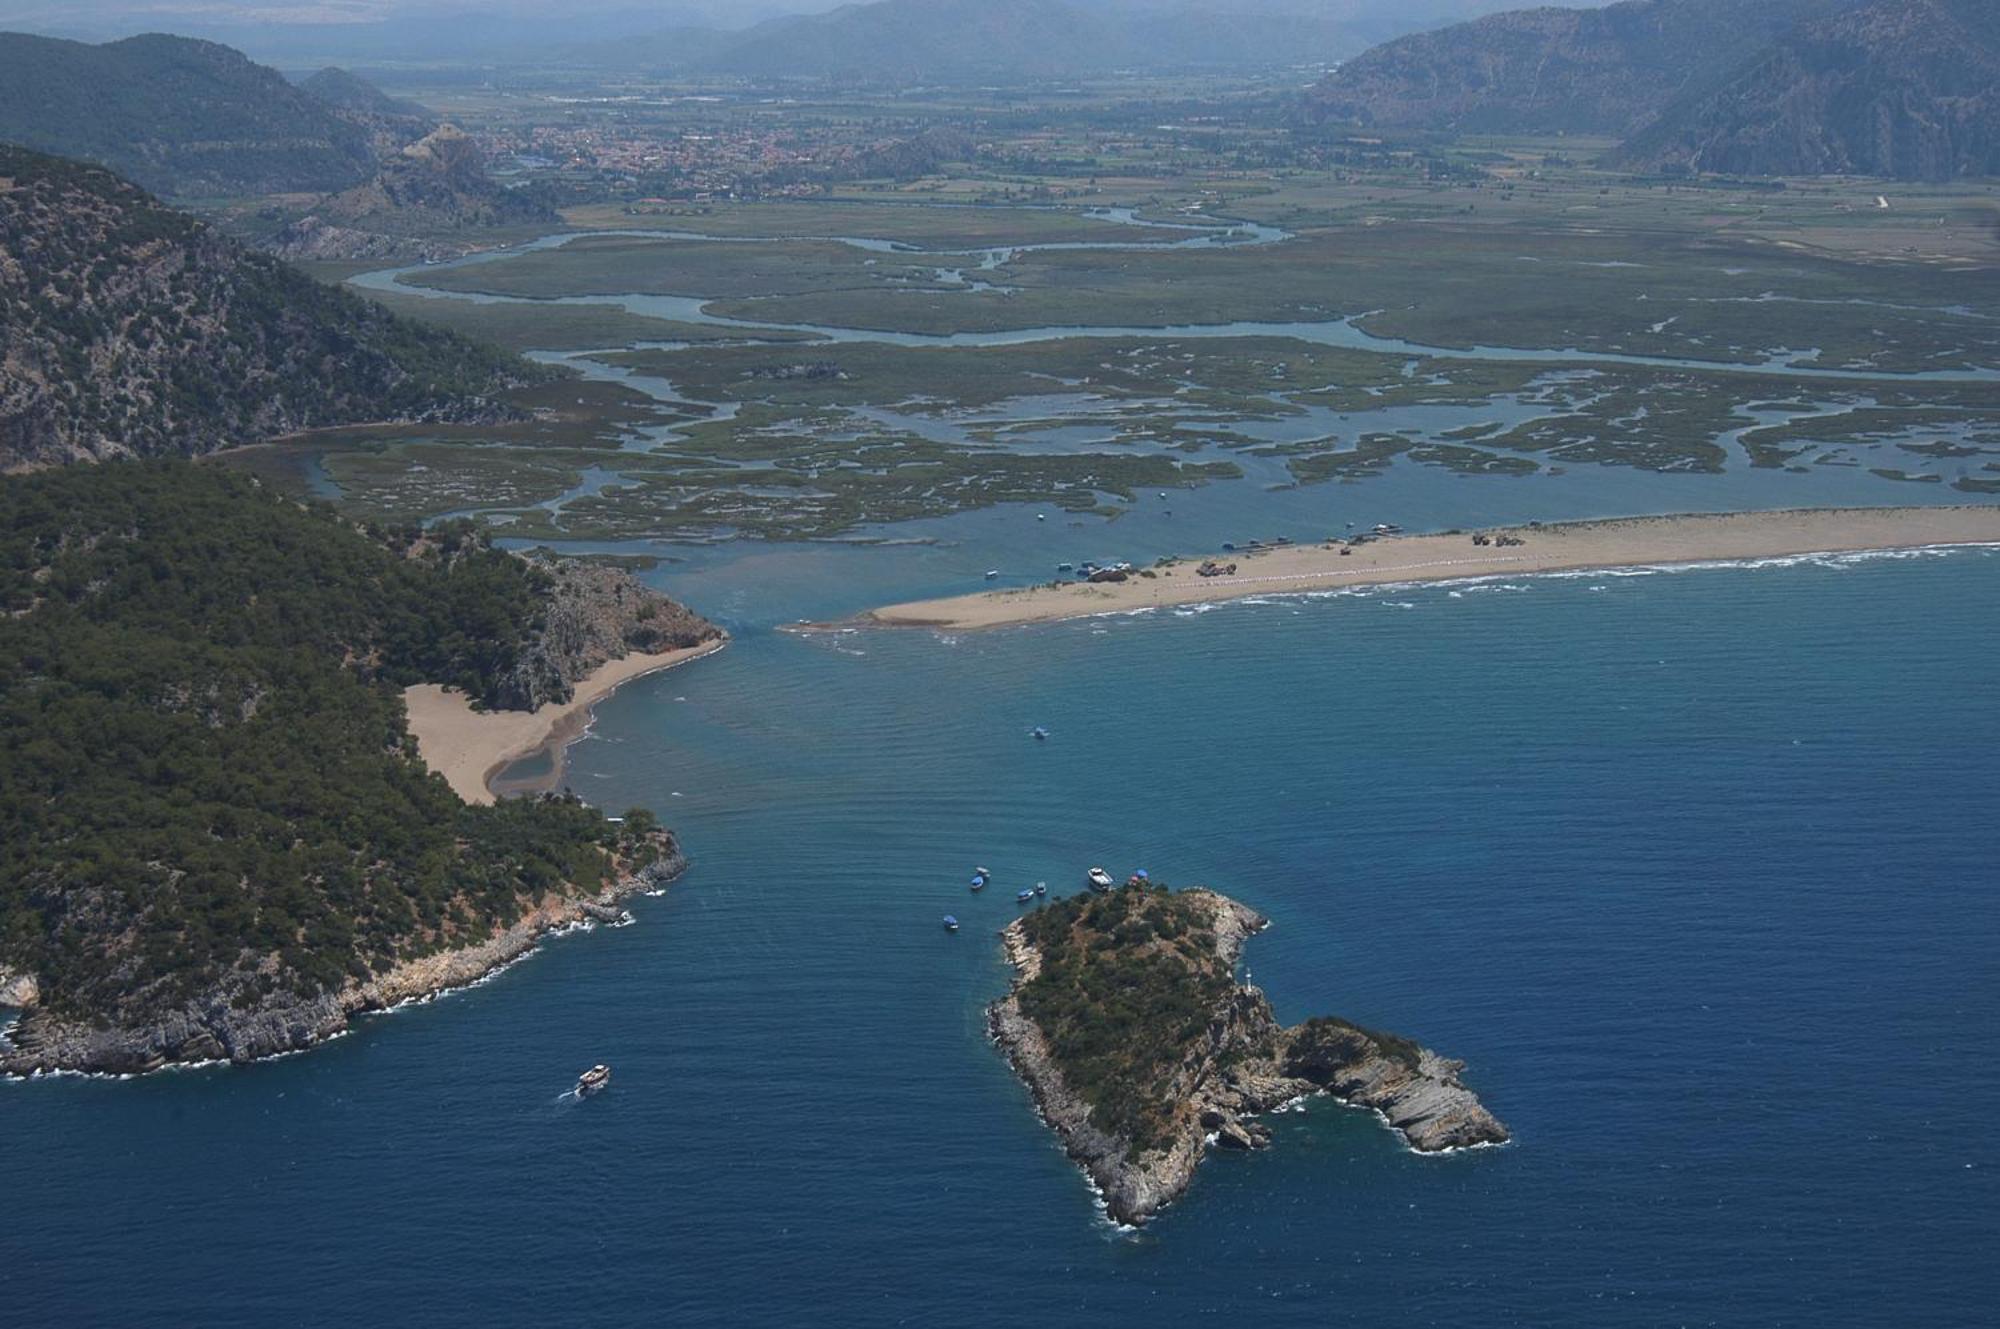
(1697, 870)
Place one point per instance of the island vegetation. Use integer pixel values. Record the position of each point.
(1128, 1024)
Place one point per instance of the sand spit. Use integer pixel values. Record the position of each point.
(1454, 556)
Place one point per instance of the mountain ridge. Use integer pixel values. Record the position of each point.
(176, 115)
(1607, 70)
(1902, 89)
(129, 329)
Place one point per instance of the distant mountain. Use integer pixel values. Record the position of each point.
(1907, 89)
(944, 41)
(1577, 70)
(389, 121)
(346, 91)
(128, 329)
(176, 115)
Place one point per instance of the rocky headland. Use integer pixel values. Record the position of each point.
(234, 1023)
(1141, 1049)
(243, 842)
(593, 613)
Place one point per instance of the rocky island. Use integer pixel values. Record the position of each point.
(221, 840)
(1141, 1048)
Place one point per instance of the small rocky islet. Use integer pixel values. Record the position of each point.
(1140, 1047)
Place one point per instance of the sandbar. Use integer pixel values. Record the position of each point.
(1453, 556)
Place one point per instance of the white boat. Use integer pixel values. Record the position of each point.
(592, 1080)
(1099, 879)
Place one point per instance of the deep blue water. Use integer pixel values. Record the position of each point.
(1696, 870)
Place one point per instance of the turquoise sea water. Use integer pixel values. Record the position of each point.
(1696, 870)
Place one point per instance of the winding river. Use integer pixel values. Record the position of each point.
(1345, 333)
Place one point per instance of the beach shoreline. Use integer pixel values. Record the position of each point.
(1597, 545)
(469, 747)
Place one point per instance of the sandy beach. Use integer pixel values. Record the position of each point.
(1565, 547)
(469, 747)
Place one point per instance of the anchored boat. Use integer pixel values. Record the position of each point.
(950, 923)
(1099, 879)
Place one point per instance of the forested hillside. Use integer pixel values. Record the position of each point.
(177, 115)
(212, 797)
(1907, 89)
(1540, 69)
(129, 329)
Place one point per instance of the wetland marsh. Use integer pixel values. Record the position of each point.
(826, 368)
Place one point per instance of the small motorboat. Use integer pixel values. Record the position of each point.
(1041, 734)
(1065, 567)
(1022, 897)
(979, 882)
(1099, 879)
(982, 872)
(992, 573)
(592, 1080)
(1041, 888)
(950, 923)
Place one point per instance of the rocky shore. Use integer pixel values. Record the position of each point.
(1242, 1064)
(215, 1028)
(17, 988)
(595, 613)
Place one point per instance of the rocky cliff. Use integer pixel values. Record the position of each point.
(593, 613)
(1904, 89)
(1141, 1050)
(238, 1024)
(17, 988)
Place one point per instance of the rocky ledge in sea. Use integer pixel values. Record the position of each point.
(1141, 1048)
(214, 1027)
